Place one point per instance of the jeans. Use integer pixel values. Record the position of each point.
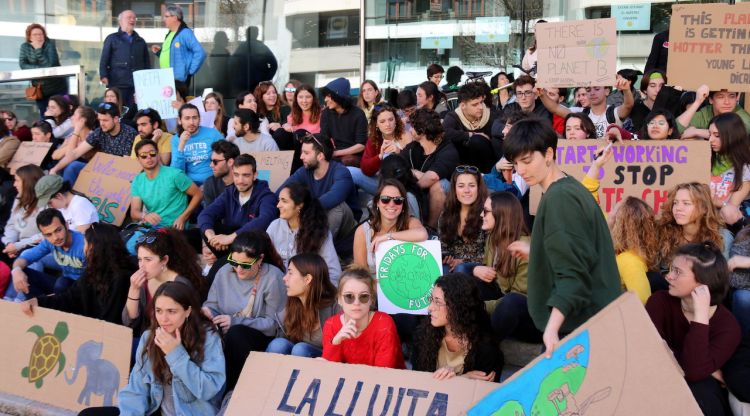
(300, 349)
(511, 317)
(71, 172)
(741, 309)
(368, 184)
(39, 284)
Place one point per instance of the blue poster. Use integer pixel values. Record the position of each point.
(154, 88)
(437, 42)
(492, 29)
(632, 16)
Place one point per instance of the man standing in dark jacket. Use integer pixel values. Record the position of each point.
(123, 52)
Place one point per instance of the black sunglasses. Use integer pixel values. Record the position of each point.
(245, 266)
(363, 298)
(146, 155)
(467, 168)
(398, 200)
(106, 106)
(148, 239)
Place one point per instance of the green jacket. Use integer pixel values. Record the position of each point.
(703, 116)
(44, 57)
(572, 263)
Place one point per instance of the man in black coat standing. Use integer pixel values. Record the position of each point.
(123, 52)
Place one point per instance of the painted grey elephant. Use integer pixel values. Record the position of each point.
(102, 377)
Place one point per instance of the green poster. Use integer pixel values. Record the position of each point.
(406, 273)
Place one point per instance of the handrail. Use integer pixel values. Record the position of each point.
(49, 72)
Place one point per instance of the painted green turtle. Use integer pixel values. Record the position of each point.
(46, 353)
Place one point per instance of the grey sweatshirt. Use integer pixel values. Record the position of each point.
(284, 240)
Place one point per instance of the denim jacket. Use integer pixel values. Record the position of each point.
(196, 389)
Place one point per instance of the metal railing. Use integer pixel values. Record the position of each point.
(55, 71)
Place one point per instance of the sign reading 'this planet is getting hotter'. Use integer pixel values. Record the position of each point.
(406, 273)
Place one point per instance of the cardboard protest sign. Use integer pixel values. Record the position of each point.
(614, 364)
(106, 180)
(29, 153)
(645, 169)
(576, 53)
(154, 88)
(710, 44)
(65, 360)
(273, 384)
(274, 167)
(406, 273)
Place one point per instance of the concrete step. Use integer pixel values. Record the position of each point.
(19, 406)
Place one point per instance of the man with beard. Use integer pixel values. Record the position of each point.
(161, 193)
(148, 123)
(223, 154)
(191, 150)
(248, 204)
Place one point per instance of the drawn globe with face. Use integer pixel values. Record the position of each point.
(167, 91)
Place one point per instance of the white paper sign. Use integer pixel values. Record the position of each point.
(154, 88)
(406, 273)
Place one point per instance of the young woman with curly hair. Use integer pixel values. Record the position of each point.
(460, 226)
(386, 136)
(457, 339)
(688, 216)
(302, 227)
(730, 165)
(180, 366)
(310, 301)
(633, 229)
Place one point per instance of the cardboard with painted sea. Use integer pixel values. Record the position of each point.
(614, 364)
(273, 384)
(106, 180)
(406, 273)
(65, 360)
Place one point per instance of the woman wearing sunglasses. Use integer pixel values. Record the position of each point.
(359, 335)
(461, 236)
(457, 340)
(311, 300)
(246, 299)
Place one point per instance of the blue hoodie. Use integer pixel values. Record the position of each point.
(256, 214)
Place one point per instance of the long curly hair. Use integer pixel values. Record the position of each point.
(314, 109)
(705, 216)
(467, 318)
(29, 176)
(313, 221)
(273, 113)
(402, 222)
(106, 257)
(734, 148)
(450, 219)
(634, 229)
(183, 259)
(509, 227)
(302, 318)
(192, 332)
(375, 135)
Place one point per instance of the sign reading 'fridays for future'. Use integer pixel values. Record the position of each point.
(406, 273)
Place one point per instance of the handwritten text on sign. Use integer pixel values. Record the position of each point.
(713, 41)
(154, 88)
(106, 180)
(273, 167)
(644, 169)
(576, 53)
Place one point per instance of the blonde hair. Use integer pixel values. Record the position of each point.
(634, 229)
(358, 273)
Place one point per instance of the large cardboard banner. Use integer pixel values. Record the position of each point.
(406, 273)
(29, 153)
(62, 359)
(710, 44)
(614, 364)
(274, 167)
(576, 53)
(106, 180)
(646, 169)
(273, 384)
(154, 88)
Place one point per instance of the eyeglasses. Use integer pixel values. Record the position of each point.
(398, 200)
(467, 168)
(244, 266)
(289, 89)
(350, 297)
(217, 161)
(147, 155)
(105, 106)
(148, 239)
(436, 302)
(528, 93)
(660, 123)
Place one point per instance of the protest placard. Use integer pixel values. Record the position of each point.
(406, 273)
(576, 53)
(106, 180)
(154, 88)
(614, 364)
(29, 153)
(710, 44)
(297, 385)
(645, 169)
(274, 167)
(632, 16)
(61, 359)
(492, 29)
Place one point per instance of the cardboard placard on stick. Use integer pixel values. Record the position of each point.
(29, 153)
(406, 273)
(274, 167)
(576, 53)
(61, 359)
(645, 169)
(106, 180)
(710, 44)
(614, 364)
(297, 385)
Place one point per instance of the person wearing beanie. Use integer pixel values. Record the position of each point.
(343, 123)
(78, 211)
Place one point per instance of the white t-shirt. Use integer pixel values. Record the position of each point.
(80, 212)
(722, 185)
(599, 120)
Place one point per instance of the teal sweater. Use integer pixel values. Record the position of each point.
(572, 263)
